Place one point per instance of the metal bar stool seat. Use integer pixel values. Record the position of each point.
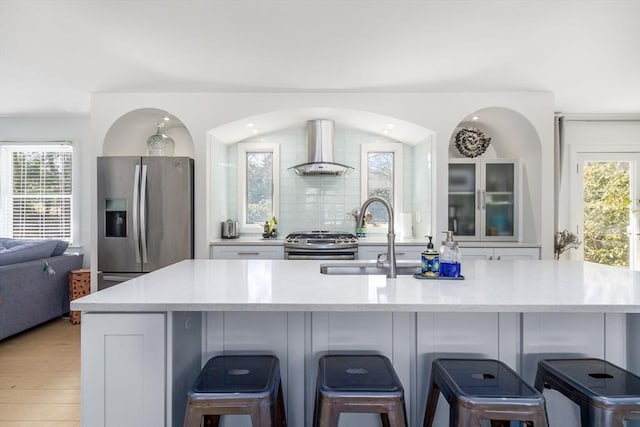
(233, 385)
(482, 389)
(606, 393)
(358, 384)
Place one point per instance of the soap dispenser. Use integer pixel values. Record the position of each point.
(430, 260)
(450, 257)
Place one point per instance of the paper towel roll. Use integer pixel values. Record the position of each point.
(403, 225)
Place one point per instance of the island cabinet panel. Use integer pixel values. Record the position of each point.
(455, 335)
(567, 335)
(278, 333)
(124, 369)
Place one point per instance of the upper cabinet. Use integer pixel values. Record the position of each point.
(483, 199)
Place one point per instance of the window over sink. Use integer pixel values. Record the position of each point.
(381, 176)
(259, 182)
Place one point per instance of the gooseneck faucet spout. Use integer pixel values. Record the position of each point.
(390, 261)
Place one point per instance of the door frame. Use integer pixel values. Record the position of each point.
(581, 152)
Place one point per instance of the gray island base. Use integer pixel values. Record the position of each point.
(143, 342)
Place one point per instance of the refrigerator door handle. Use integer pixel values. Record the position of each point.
(143, 212)
(136, 202)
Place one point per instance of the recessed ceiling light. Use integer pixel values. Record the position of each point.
(385, 131)
(250, 125)
(475, 118)
(256, 131)
(390, 126)
(166, 118)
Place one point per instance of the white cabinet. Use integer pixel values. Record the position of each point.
(247, 252)
(499, 254)
(123, 369)
(403, 252)
(483, 199)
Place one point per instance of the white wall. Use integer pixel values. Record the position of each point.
(77, 130)
(440, 112)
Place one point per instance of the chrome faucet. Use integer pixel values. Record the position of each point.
(390, 261)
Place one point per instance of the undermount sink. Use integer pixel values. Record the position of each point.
(366, 268)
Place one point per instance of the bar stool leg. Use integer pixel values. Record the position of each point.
(280, 411)
(328, 415)
(211, 420)
(432, 403)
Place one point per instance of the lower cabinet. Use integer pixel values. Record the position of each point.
(247, 252)
(414, 252)
(123, 369)
(500, 254)
(403, 252)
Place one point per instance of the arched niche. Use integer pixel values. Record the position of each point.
(353, 127)
(128, 135)
(512, 137)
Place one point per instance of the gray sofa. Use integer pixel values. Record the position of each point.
(34, 282)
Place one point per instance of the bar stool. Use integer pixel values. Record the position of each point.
(243, 384)
(606, 393)
(360, 384)
(482, 389)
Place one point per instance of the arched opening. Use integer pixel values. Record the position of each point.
(321, 202)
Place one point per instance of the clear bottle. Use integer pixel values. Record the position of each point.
(450, 257)
(430, 260)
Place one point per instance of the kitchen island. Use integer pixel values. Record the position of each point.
(143, 342)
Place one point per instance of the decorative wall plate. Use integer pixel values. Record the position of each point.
(471, 142)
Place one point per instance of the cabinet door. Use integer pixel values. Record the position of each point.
(464, 200)
(123, 369)
(247, 252)
(476, 253)
(409, 253)
(508, 254)
(498, 200)
(370, 252)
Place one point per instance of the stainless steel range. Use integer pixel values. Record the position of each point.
(321, 244)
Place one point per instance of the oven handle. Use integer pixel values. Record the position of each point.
(328, 256)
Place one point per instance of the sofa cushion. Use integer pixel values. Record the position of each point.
(27, 252)
(61, 246)
(8, 243)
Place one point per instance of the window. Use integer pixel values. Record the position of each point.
(36, 190)
(382, 177)
(258, 181)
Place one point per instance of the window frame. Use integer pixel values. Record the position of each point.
(6, 186)
(382, 147)
(256, 147)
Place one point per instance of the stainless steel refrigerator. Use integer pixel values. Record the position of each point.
(145, 215)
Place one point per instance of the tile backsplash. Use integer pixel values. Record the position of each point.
(323, 202)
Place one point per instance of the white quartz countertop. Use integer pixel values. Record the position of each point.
(280, 285)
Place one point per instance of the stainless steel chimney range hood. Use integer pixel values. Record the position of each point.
(320, 151)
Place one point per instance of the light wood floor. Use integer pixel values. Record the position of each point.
(40, 377)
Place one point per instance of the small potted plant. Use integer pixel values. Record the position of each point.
(565, 240)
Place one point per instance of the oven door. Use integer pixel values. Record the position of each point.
(344, 254)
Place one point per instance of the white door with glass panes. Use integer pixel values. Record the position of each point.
(483, 199)
(605, 208)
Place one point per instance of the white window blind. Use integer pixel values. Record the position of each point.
(36, 189)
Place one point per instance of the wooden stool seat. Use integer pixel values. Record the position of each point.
(361, 384)
(606, 393)
(232, 385)
(482, 389)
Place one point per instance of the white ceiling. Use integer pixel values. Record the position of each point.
(54, 53)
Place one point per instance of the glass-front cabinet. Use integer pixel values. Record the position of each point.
(483, 199)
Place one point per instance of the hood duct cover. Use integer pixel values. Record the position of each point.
(320, 151)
